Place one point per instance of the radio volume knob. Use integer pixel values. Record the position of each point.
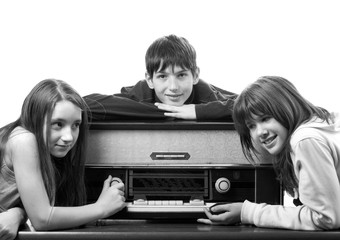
(222, 185)
(115, 180)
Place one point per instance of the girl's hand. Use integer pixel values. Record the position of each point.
(226, 214)
(111, 199)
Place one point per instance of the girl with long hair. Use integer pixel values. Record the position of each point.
(42, 159)
(304, 141)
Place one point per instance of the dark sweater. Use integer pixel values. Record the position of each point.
(137, 102)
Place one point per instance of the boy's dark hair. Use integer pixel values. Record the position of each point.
(170, 51)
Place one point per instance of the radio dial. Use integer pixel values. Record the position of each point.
(115, 180)
(222, 185)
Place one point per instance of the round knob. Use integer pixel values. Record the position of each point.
(222, 185)
(115, 180)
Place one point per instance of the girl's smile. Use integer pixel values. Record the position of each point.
(65, 122)
(269, 141)
(268, 132)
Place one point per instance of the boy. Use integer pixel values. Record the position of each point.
(171, 89)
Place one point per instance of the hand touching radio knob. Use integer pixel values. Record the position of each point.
(115, 180)
(222, 185)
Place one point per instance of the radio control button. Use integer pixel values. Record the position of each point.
(140, 202)
(222, 185)
(197, 202)
(115, 180)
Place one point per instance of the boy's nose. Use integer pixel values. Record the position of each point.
(173, 84)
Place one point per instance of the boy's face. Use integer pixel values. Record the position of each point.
(174, 85)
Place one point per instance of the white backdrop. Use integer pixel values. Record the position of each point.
(99, 45)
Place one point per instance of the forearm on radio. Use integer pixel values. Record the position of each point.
(42, 214)
(47, 217)
(215, 110)
(113, 107)
(319, 191)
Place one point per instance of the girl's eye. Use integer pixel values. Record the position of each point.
(266, 118)
(76, 125)
(56, 125)
(250, 125)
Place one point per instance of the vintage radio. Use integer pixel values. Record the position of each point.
(175, 169)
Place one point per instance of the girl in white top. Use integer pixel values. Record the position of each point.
(42, 161)
(304, 141)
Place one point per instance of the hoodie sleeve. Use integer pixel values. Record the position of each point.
(318, 189)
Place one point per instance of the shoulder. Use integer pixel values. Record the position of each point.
(203, 85)
(20, 138)
(318, 132)
(139, 92)
(19, 142)
(313, 129)
(139, 86)
(208, 89)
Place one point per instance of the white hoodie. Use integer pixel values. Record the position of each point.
(316, 159)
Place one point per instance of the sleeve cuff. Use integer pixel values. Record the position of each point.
(248, 212)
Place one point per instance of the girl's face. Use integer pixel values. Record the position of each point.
(268, 133)
(65, 122)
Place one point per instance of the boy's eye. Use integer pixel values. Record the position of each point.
(161, 76)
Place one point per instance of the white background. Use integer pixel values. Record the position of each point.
(99, 45)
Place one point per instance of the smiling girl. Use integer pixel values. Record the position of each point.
(304, 141)
(42, 161)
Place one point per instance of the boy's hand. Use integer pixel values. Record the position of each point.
(187, 112)
(227, 214)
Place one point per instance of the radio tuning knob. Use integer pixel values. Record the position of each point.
(115, 180)
(222, 185)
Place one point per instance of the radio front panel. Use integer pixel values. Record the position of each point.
(176, 169)
(152, 187)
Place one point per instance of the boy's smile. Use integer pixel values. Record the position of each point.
(173, 86)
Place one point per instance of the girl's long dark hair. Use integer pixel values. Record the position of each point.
(63, 178)
(277, 97)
